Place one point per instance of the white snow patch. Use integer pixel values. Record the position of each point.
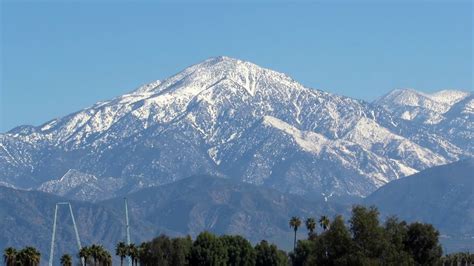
(307, 140)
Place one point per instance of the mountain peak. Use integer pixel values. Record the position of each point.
(430, 108)
(222, 58)
(199, 77)
(225, 63)
(448, 96)
(408, 96)
(228, 117)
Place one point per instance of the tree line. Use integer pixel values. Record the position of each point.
(363, 240)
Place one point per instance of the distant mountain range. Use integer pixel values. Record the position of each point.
(230, 118)
(442, 196)
(188, 206)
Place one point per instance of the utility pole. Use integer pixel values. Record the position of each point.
(127, 228)
(51, 251)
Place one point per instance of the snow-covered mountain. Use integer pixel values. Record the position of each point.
(228, 117)
(448, 112)
(427, 108)
(86, 187)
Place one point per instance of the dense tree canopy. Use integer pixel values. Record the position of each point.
(364, 241)
(269, 254)
(239, 251)
(27, 256)
(208, 249)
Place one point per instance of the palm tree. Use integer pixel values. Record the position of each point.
(143, 252)
(121, 251)
(66, 260)
(107, 259)
(98, 252)
(9, 256)
(95, 253)
(104, 256)
(295, 222)
(311, 226)
(132, 251)
(22, 258)
(324, 222)
(28, 256)
(85, 253)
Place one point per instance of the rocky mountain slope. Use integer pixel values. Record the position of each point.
(442, 195)
(449, 113)
(413, 105)
(81, 186)
(223, 206)
(188, 206)
(227, 117)
(26, 218)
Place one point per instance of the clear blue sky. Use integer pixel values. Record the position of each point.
(61, 57)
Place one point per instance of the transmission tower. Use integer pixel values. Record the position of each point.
(53, 236)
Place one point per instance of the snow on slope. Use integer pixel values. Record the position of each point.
(229, 117)
(81, 186)
(410, 104)
(308, 141)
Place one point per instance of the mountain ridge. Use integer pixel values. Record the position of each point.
(188, 206)
(441, 195)
(208, 119)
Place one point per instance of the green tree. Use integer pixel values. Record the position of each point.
(95, 253)
(121, 251)
(105, 258)
(304, 253)
(66, 260)
(9, 256)
(324, 222)
(269, 255)
(132, 251)
(368, 235)
(239, 251)
(423, 244)
(295, 223)
(161, 250)
(208, 249)
(28, 256)
(396, 233)
(335, 244)
(311, 226)
(144, 254)
(22, 258)
(84, 254)
(181, 251)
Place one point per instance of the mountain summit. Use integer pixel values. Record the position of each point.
(427, 108)
(231, 118)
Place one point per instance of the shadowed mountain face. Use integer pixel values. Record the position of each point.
(223, 206)
(227, 117)
(188, 206)
(442, 196)
(27, 219)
